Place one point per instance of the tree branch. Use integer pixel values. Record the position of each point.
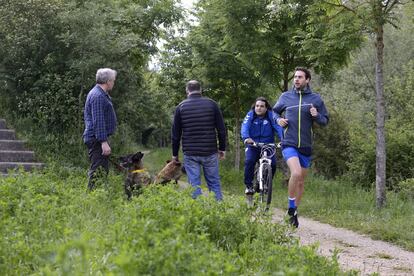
(393, 3)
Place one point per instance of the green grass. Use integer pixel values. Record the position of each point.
(50, 225)
(338, 203)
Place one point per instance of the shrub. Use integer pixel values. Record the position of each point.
(406, 189)
(331, 150)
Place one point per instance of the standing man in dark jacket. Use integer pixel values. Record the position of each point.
(100, 122)
(198, 123)
(296, 111)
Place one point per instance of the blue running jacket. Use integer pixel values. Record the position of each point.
(295, 106)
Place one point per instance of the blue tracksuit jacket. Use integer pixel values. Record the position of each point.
(260, 129)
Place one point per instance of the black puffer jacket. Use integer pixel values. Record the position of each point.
(198, 122)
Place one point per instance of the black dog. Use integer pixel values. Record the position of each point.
(137, 176)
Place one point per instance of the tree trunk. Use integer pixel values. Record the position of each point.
(236, 128)
(380, 120)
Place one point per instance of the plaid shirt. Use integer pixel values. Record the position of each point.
(99, 116)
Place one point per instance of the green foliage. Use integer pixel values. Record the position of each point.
(242, 50)
(406, 189)
(400, 152)
(352, 95)
(51, 225)
(331, 150)
(328, 37)
(362, 158)
(52, 49)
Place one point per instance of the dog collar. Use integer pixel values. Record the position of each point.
(139, 171)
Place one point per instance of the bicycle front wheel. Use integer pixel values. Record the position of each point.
(267, 185)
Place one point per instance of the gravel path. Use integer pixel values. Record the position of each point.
(355, 251)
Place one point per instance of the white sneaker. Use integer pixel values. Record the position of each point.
(249, 191)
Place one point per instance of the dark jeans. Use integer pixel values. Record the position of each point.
(98, 161)
(252, 156)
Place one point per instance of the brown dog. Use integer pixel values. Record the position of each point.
(171, 171)
(137, 176)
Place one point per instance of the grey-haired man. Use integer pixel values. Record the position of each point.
(100, 123)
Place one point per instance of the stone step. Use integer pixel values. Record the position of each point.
(7, 134)
(3, 124)
(27, 166)
(3, 174)
(12, 145)
(16, 156)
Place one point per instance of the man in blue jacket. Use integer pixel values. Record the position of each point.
(258, 126)
(296, 111)
(198, 123)
(100, 122)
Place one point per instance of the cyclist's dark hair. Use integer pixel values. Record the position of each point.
(262, 99)
(304, 70)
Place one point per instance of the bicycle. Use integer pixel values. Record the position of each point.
(262, 180)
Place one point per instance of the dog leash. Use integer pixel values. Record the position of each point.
(112, 160)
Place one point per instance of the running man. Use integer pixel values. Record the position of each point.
(296, 110)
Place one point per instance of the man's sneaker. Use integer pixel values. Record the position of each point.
(293, 217)
(249, 191)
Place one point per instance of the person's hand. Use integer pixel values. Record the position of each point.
(249, 141)
(221, 154)
(106, 149)
(313, 111)
(282, 122)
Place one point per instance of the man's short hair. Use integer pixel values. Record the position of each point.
(304, 70)
(193, 86)
(103, 75)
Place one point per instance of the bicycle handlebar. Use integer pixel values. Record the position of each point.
(269, 148)
(259, 145)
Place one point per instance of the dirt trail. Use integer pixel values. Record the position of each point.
(355, 251)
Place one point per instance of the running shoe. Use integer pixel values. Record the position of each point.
(293, 217)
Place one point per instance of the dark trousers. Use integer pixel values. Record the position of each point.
(252, 156)
(99, 162)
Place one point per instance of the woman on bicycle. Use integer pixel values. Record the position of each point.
(258, 126)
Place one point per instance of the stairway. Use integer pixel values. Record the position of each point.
(13, 153)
